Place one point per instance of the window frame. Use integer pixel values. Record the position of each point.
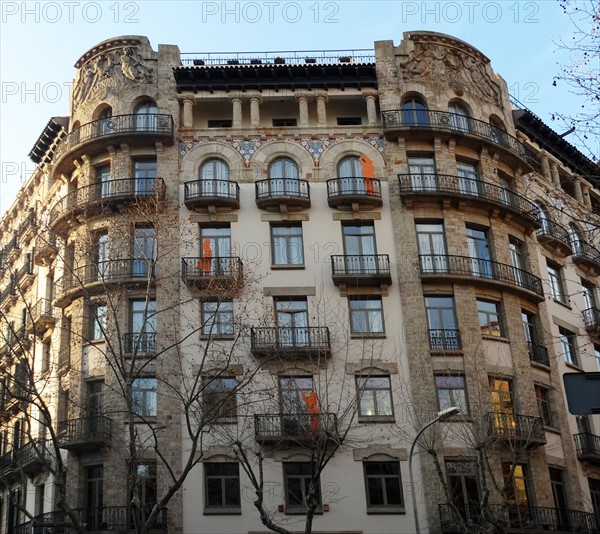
(557, 284)
(220, 398)
(385, 508)
(463, 404)
(291, 242)
(97, 322)
(305, 479)
(149, 397)
(222, 477)
(217, 328)
(496, 312)
(568, 343)
(544, 403)
(361, 382)
(365, 313)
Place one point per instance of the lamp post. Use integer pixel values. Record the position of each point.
(441, 416)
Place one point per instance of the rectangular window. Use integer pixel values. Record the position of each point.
(589, 295)
(568, 346)
(349, 121)
(374, 396)
(143, 394)
(542, 395)
(490, 319)
(359, 240)
(97, 322)
(145, 172)
(298, 477)
(278, 123)
(384, 486)
(462, 477)
(217, 318)
(432, 247)
(441, 321)
(452, 391)
(292, 322)
(144, 252)
(287, 245)
(222, 486)
(366, 315)
(219, 123)
(142, 320)
(557, 289)
(103, 182)
(219, 397)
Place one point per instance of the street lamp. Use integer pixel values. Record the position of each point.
(441, 416)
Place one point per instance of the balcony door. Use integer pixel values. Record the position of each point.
(144, 251)
(422, 173)
(350, 177)
(283, 178)
(480, 252)
(103, 182)
(442, 324)
(360, 249)
(101, 255)
(432, 247)
(296, 393)
(94, 497)
(215, 250)
(463, 484)
(501, 398)
(145, 172)
(145, 117)
(517, 259)
(143, 325)
(214, 178)
(468, 181)
(95, 408)
(518, 494)
(105, 122)
(589, 297)
(292, 323)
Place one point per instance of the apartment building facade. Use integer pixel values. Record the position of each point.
(268, 272)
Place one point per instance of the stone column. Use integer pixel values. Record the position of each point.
(188, 114)
(302, 99)
(545, 166)
(578, 191)
(322, 98)
(371, 101)
(255, 101)
(585, 188)
(236, 102)
(555, 175)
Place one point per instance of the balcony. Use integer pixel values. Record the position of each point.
(555, 238)
(538, 354)
(94, 137)
(428, 123)
(518, 518)
(290, 342)
(103, 198)
(591, 318)
(25, 275)
(354, 191)
(587, 257)
(105, 519)
(588, 447)
(205, 193)
(482, 271)
(139, 343)
(43, 317)
(297, 427)
(292, 194)
(28, 228)
(8, 295)
(32, 457)
(85, 433)
(219, 273)
(103, 276)
(363, 270)
(45, 249)
(444, 339)
(477, 193)
(521, 431)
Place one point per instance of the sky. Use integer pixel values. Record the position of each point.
(41, 41)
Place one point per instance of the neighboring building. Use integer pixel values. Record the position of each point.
(294, 254)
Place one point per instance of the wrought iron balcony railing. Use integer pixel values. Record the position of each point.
(518, 518)
(93, 198)
(201, 193)
(444, 264)
(294, 427)
(586, 255)
(523, 429)
(354, 189)
(445, 184)
(587, 446)
(218, 271)
(399, 119)
(591, 318)
(555, 236)
(275, 191)
(85, 432)
(366, 269)
(104, 519)
(43, 315)
(285, 340)
(538, 353)
(139, 343)
(444, 339)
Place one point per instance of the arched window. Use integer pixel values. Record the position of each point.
(214, 177)
(352, 178)
(145, 116)
(283, 177)
(349, 167)
(498, 131)
(105, 124)
(543, 217)
(459, 118)
(575, 238)
(414, 112)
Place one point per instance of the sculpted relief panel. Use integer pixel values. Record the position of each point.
(462, 69)
(120, 69)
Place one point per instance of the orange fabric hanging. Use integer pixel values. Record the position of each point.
(205, 262)
(311, 401)
(368, 172)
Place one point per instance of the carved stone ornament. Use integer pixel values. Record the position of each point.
(115, 67)
(451, 64)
